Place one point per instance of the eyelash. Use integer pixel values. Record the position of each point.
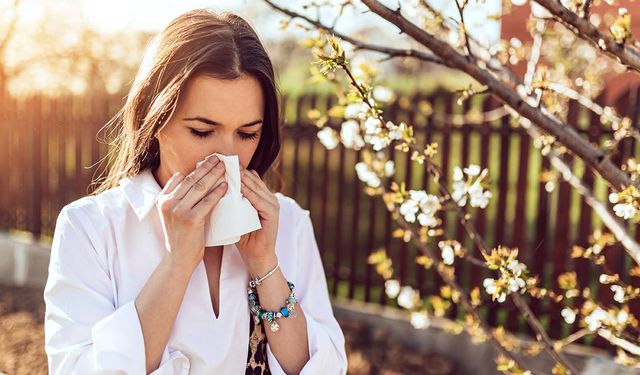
(245, 136)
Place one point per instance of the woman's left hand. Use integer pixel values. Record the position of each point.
(258, 248)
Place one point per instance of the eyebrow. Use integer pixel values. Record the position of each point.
(211, 122)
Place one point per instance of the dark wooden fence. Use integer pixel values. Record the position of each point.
(49, 145)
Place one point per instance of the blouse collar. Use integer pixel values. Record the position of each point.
(141, 190)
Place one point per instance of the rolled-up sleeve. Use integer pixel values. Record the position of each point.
(84, 331)
(325, 337)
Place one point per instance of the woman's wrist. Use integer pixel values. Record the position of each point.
(179, 264)
(258, 267)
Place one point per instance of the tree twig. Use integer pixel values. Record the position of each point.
(463, 26)
(583, 28)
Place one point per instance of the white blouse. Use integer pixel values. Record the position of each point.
(104, 249)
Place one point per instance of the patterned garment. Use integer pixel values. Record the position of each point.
(257, 363)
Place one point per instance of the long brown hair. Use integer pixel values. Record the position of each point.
(200, 41)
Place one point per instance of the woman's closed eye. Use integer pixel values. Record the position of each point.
(199, 134)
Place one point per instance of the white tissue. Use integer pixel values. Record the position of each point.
(234, 215)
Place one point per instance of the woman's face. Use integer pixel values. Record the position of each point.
(212, 116)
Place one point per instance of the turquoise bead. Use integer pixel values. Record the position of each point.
(284, 311)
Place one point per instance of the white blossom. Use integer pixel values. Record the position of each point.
(430, 203)
(408, 297)
(389, 168)
(366, 175)
(383, 94)
(618, 293)
(350, 135)
(459, 193)
(472, 170)
(625, 210)
(422, 206)
(448, 253)
(606, 279)
(328, 137)
(512, 276)
(377, 142)
(516, 267)
(373, 133)
(457, 174)
(478, 196)
(515, 284)
(569, 315)
(373, 130)
(392, 288)
(596, 318)
(470, 189)
(420, 319)
(491, 287)
(355, 110)
(372, 125)
(396, 131)
(427, 220)
(409, 209)
(622, 316)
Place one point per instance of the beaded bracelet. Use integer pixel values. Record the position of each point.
(256, 281)
(288, 310)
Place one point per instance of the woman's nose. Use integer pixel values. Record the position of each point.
(229, 150)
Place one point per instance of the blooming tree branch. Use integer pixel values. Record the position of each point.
(503, 259)
(565, 135)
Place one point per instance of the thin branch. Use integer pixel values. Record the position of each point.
(395, 52)
(11, 28)
(340, 12)
(573, 337)
(463, 26)
(583, 28)
(624, 344)
(586, 7)
(482, 51)
(481, 119)
(449, 25)
(592, 106)
(535, 53)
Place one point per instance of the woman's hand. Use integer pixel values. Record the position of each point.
(184, 203)
(258, 248)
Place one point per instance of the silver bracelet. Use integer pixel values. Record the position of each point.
(258, 280)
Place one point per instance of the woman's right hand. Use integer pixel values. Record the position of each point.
(184, 204)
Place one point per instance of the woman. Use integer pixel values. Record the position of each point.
(132, 288)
